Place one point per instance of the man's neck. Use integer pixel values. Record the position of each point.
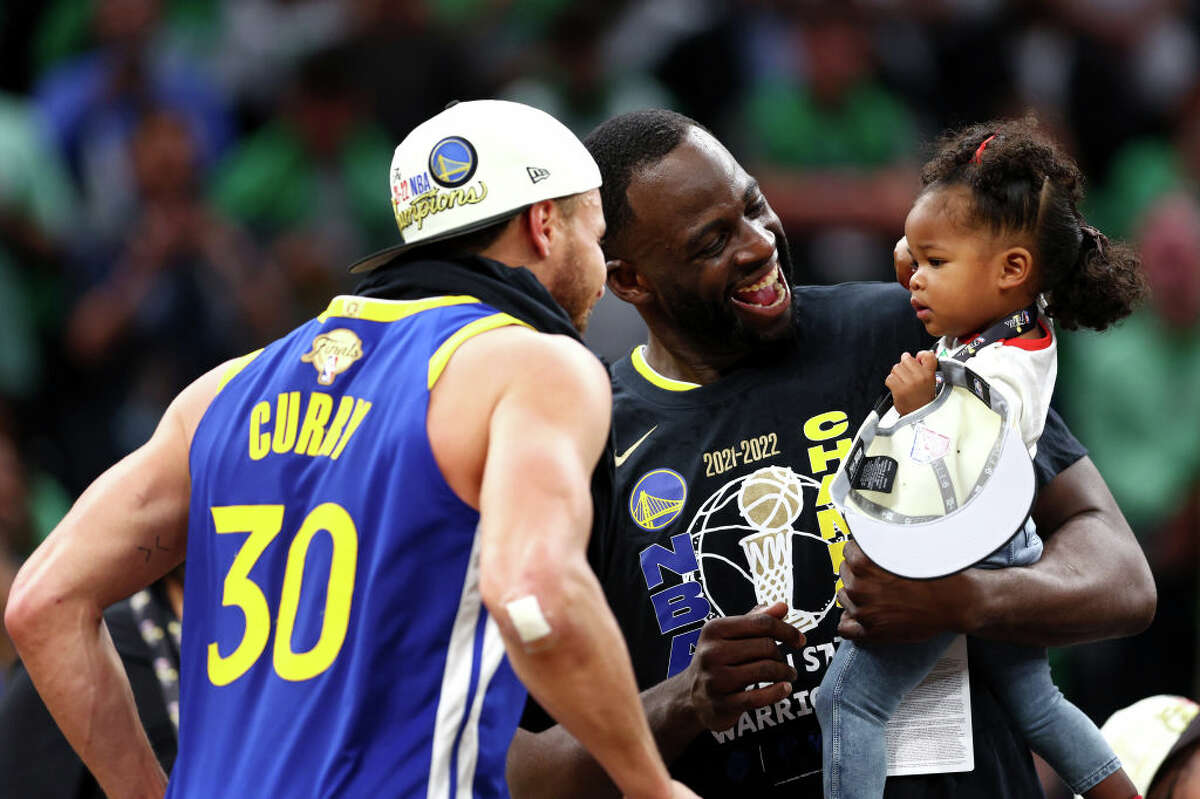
(678, 361)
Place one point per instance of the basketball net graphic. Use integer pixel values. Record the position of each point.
(766, 505)
(770, 499)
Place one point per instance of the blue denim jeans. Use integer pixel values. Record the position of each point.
(864, 686)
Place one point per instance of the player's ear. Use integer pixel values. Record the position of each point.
(540, 220)
(625, 281)
(1016, 267)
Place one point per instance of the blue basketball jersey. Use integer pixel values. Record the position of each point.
(334, 642)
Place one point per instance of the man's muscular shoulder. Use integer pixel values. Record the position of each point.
(536, 374)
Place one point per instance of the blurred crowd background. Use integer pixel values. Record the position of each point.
(182, 180)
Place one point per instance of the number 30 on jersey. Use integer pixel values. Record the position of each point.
(264, 523)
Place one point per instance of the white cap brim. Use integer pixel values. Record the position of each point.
(378, 259)
(925, 550)
(940, 488)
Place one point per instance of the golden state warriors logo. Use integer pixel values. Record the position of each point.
(332, 353)
(657, 499)
(452, 161)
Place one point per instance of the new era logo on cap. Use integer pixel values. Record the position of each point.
(537, 174)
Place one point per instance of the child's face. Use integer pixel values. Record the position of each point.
(955, 288)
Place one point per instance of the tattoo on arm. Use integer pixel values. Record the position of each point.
(157, 546)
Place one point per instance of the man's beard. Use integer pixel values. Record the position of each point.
(716, 329)
(571, 292)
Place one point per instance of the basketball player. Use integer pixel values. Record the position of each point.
(375, 509)
(729, 426)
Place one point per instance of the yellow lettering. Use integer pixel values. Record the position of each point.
(287, 416)
(260, 443)
(404, 217)
(339, 592)
(819, 457)
(823, 495)
(836, 556)
(826, 426)
(434, 202)
(360, 410)
(335, 428)
(831, 524)
(312, 431)
(263, 523)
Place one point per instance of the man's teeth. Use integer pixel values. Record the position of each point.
(770, 278)
(766, 293)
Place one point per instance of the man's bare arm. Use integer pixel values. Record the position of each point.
(1092, 581)
(545, 428)
(128, 529)
(732, 652)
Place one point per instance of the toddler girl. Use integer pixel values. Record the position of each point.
(995, 231)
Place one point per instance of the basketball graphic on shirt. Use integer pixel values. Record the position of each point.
(750, 551)
(771, 498)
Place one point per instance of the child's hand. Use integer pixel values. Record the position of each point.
(905, 265)
(912, 381)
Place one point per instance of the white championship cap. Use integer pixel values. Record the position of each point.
(476, 163)
(941, 488)
(1148, 732)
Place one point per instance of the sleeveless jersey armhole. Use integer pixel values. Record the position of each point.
(237, 366)
(441, 357)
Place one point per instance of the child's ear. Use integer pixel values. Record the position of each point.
(1016, 267)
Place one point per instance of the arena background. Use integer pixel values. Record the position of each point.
(182, 180)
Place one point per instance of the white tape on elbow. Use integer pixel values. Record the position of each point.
(525, 615)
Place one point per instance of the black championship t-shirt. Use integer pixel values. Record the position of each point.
(720, 501)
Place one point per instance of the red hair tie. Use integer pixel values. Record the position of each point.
(979, 152)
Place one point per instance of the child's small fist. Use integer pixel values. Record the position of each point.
(912, 381)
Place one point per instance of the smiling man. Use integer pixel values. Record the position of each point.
(730, 423)
(704, 321)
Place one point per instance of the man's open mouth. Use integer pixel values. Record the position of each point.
(770, 291)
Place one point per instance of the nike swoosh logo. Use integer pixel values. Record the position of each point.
(624, 456)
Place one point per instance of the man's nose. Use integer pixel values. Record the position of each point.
(759, 242)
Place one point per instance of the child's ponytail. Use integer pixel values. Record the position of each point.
(1104, 285)
(1088, 281)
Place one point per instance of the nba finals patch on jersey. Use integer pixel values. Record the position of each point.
(332, 353)
(657, 499)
